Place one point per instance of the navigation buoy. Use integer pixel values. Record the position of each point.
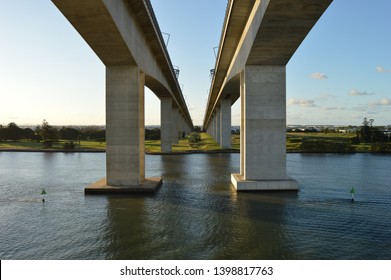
(353, 192)
(42, 193)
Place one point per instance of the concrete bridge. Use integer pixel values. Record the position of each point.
(259, 37)
(125, 35)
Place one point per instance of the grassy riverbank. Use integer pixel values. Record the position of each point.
(295, 141)
(313, 142)
(207, 144)
(57, 146)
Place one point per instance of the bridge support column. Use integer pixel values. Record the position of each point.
(215, 126)
(182, 132)
(263, 130)
(165, 124)
(225, 123)
(188, 128)
(125, 159)
(218, 125)
(174, 127)
(212, 127)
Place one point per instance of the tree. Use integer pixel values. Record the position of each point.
(48, 132)
(69, 133)
(92, 134)
(29, 134)
(2, 133)
(152, 134)
(371, 134)
(194, 139)
(365, 132)
(13, 132)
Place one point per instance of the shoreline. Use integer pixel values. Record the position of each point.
(52, 151)
(222, 151)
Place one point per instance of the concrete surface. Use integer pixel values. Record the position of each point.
(149, 185)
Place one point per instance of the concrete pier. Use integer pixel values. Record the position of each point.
(263, 130)
(125, 158)
(166, 124)
(260, 37)
(125, 35)
(225, 123)
(217, 125)
(174, 125)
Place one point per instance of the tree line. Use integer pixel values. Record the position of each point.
(47, 132)
(371, 134)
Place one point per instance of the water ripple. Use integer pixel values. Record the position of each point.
(196, 214)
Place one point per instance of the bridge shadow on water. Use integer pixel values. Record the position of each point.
(197, 214)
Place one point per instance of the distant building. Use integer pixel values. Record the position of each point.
(348, 130)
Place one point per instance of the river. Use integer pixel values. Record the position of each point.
(196, 214)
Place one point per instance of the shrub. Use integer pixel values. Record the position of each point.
(193, 139)
(294, 140)
(320, 146)
(355, 141)
(152, 134)
(381, 148)
(69, 146)
(47, 144)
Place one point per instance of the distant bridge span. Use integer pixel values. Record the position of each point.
(259, 37)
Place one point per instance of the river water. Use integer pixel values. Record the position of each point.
(196, 214)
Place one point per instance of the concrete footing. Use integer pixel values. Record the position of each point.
(263, 185)
(149, 185)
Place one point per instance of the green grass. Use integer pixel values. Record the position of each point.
(363, 147)
(31, 145)
(207, 143)
(152, 146)
(22, 145)
(320, 136)
(91, 145)
(294, 139)
(235, 141)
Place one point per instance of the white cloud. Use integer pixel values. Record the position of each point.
(360, 108)
(385, 101)
(319, 76)
(381, 102)
(325, 96)
(381, 69)
(302, 102)
(355, 92)
(333, 108)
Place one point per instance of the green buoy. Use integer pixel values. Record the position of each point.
(353, 192)
(42, 193)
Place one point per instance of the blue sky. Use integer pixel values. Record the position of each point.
(340, 74)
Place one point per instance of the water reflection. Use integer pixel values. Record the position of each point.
(196, 214)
